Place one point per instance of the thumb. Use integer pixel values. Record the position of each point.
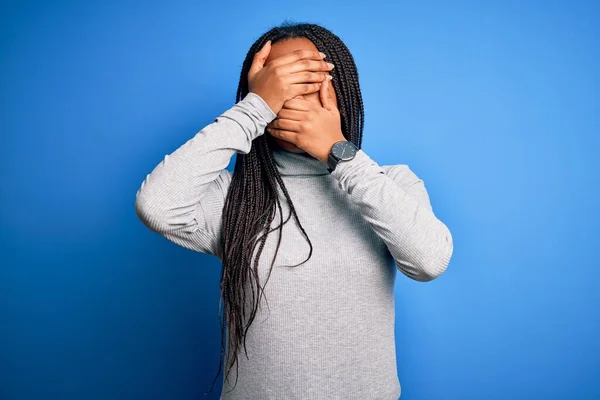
(259, 58)
(325, 95)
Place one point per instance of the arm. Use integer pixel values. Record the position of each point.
(394, 202)
(182, 198)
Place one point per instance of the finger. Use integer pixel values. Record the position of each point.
(306, 76)
(285, 124)
(304, 88)
(306, 65)
(288, 136)
(259, 58)
(299, 104)
(325, 95)
(296, 55)
(290, 114)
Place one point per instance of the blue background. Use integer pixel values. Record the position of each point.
(495, 106)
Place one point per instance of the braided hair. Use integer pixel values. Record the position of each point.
(252, 198)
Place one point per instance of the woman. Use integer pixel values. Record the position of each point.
(321, 326)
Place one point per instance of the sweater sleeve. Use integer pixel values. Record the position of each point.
(395, 203)
(182, 198)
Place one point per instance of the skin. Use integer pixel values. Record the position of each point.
(308, 119)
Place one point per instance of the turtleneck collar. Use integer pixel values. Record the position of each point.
(297, 164)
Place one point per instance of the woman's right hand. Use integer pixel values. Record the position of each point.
(297, 73)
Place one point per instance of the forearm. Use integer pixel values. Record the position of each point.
(419, 242)
(170, 193)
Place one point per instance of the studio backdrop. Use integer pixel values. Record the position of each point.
(493, 104)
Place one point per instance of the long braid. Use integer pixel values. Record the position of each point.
(252, 200)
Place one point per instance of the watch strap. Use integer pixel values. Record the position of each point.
(331, 162)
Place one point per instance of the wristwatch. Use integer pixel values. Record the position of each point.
(340, 151)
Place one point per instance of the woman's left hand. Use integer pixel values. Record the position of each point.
(309, 126)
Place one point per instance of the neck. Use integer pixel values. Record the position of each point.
(297, 164)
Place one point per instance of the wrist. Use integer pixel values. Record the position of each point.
(341, 151)
(262, 105)
(329, 146)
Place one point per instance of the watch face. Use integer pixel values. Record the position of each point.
(344, 150)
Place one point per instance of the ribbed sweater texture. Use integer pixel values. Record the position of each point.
(326, 328)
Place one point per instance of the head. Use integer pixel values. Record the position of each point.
(253, 196)
(285, 46)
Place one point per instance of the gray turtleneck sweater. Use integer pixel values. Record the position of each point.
(326, 329)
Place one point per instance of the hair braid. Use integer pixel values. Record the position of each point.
(252, 200)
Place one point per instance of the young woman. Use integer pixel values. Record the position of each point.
(312, 302)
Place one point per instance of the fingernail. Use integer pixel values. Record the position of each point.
(330, 65)
(329, 77)
(323, 55)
